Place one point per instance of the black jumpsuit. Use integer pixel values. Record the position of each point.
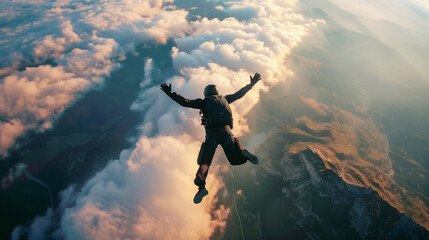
(215, 135)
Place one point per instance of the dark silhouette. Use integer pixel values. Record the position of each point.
(216, 116)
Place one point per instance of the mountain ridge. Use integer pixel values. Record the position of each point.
(310, 200)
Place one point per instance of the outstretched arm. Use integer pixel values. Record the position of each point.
(240, 93)
(182, 101)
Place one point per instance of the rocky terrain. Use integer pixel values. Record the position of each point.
(301, 196)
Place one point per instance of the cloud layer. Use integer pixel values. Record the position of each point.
(57, 50)
(151, 186)
(141, 194)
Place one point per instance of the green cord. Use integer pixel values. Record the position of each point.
(235, 204)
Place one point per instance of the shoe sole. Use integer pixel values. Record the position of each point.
(199, 197)
(252, 158)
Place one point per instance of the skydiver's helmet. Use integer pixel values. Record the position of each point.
(210, 90)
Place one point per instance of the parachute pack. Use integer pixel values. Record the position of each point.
(218, 111)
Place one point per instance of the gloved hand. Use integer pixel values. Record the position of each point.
(255, 79)
(166, 88)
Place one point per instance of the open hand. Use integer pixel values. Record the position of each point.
(166, 88)
(255, 79)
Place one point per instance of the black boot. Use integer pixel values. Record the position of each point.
(252, 158)
(202, 192)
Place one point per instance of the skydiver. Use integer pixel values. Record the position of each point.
(216, 116)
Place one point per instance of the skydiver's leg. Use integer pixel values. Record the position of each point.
(205, 158)
(233, 150)
(200, 178)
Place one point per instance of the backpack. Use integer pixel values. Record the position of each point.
(218, 111)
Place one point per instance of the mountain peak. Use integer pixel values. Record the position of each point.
(320, 194)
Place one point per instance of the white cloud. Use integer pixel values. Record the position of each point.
(51, 47)
(9, 131)
(14, 173)
(226, 52)
(142, 193)
(148, 67)
(84, 39)
(47, 226)
(137, 197)
(40, 227)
